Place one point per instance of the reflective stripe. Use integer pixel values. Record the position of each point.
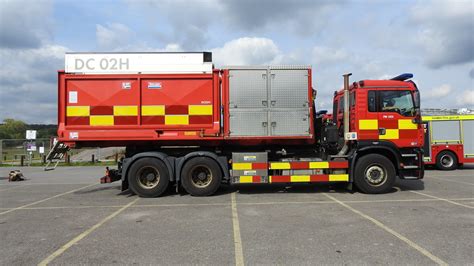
(200, 109)
(101, 120)
(368, 124)
(153, 110)
(246, 179)
(406, 124)
(318, 165)
(340, 177)
(390, 134)
(176, 120)
(300, 178)
(280, 166)
(241, 166)
(78, 111)
(448, 117)
(125, 110)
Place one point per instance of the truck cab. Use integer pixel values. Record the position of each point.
(384, 119)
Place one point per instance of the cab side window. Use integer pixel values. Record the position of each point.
(391, 101)
(372, 103)
(340, 108)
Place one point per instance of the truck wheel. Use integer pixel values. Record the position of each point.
(374, 174)
(446, 160)
(148, 177)
(201, 176)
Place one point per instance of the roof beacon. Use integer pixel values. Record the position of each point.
(403, 77)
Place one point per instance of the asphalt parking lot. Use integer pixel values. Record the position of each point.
(65, 217)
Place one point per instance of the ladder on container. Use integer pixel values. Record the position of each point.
(55, 155)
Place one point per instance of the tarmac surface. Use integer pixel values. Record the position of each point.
(65, 217)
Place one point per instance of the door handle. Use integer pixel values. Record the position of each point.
(264, 124)
(274, 124)
(382, 131)
(273, 102)
(265, 103)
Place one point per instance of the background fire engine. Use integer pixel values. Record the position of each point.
(449, 140)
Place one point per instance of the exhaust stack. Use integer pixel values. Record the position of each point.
(344, 149)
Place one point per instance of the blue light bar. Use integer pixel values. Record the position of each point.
(403, 77)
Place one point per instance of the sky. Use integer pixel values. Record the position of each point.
(372, 39)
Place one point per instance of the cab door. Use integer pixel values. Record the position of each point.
(396, 114)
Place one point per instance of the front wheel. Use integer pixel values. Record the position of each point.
(201, 176)
(374, 174)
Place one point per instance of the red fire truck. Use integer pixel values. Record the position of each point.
(185, 123)
(449, 140)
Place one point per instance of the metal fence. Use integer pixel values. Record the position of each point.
(22, 152)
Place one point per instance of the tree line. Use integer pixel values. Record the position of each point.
(16, 129)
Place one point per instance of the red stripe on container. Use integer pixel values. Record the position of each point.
(299, 165)
(125, 120)
(281, 179)
(200, 119)
(319, 178)
(102, 110)
(77, 120)
(342, 164)
(256, 179)
(153, 120)
(176, 109)
(258, 166)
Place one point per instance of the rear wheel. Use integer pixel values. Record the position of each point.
(446, 160)
(201, 176)
(148, 177)
(374, 174)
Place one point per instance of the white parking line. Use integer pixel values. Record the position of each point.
(243, 203)
(78, 238)
(450, 180)
(391, 231)
(43, 200)
(239, 254)
(438, 198)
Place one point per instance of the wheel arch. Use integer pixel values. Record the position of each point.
(220, 160)
(385, 150)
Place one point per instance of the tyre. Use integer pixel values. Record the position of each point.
(374, 174)
(148, 177)
(201, 176)
(446, 160)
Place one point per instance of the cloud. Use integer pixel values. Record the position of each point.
(246, 51)
(113, 36)
(471, 73)
(446, 31)
(327, 55)
(436, 93)
(29, 83)
(192, 23)
(25, 24)
(466, 99)
(298, 17)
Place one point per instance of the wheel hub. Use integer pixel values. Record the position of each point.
(447, 161)
(375, 175)
(148, 177)
(201, 176)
